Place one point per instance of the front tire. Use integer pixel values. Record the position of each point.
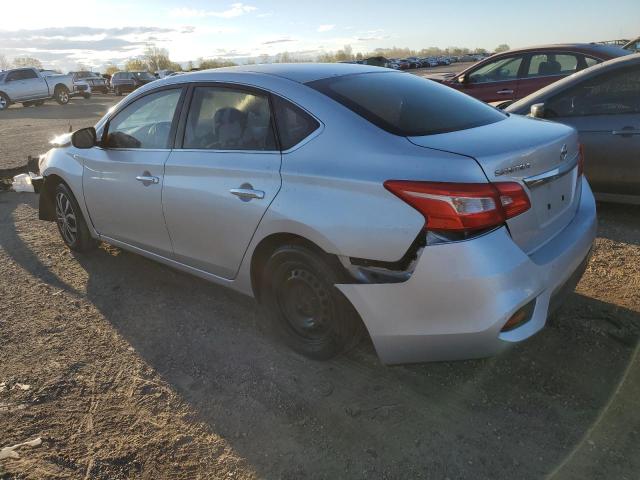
(61, 95)
(304, 307)
(4, 102)
(71, 223)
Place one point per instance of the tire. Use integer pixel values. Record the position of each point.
(61, 95)
(303, 305)
(71, 223)
(4, 101)
(86, 96)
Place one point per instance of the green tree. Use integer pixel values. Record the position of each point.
(21, 62)
(503, 47)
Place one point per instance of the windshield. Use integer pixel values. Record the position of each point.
(407, 105)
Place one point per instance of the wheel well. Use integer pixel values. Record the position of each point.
(7, 96)
(46, 207)
(271, 243)
(60, 85)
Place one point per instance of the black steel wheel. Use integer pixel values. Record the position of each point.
(305, 307)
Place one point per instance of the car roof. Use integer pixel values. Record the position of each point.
(620, 62)
(595, 48)
(302, 72)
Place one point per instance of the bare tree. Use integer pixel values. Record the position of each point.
(5, 64)
(135, 65)
(111, 69)
(157, 58)
(503, 47)
(21, 62)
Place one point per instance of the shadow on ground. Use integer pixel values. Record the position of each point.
(518, 415)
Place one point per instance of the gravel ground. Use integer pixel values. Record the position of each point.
(128, 369)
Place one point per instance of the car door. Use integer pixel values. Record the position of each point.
(605, 110)
(494, 81)
(221, 181)
(544, 68)
(122, 179)
(24, 84)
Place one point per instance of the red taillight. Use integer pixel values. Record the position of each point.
(580, 160)
(462, 206)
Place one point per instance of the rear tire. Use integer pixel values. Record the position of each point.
(61, 95)
(71, 223)
(303, 305)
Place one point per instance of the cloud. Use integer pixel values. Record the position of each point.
(234, 10)
(279, 40)
(325, 28)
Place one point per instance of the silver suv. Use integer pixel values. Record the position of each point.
(345, 198)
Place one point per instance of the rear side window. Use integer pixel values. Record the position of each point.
(222, 118)
(294, 124)
(545, 64)
(407, 105)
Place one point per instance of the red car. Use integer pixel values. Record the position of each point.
(517, 73)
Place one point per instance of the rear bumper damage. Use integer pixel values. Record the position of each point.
(461, 294)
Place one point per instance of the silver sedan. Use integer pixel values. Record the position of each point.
(345, 198)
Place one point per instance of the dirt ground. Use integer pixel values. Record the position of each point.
(128, 369)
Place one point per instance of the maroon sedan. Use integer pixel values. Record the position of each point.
(517, 73)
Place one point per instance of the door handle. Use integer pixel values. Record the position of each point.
(147, 179)
(505, 91)
(247, 194)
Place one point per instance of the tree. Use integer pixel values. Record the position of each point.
(157, 58)
(21, 62)
(189, 66)
(213, 63)
(503, 47)
(111, 69)
(5, 64)
(135, 65)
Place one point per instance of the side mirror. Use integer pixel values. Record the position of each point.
(537, 110)
(462, 79)
(84, 138)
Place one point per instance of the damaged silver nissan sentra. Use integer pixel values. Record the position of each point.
(344, 198)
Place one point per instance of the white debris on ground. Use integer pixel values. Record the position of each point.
(22, 386)
(22, 183)
(10, 452)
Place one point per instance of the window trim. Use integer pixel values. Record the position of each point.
(174, 120)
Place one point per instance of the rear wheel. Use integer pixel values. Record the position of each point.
(61, 95)
(305, 308)
(71, 224)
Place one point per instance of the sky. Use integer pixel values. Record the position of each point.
(97, 32)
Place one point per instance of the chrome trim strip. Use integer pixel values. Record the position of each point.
(551, 175)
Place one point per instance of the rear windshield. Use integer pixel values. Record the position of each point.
(408, 105)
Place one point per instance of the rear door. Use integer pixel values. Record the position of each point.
(542, 69)
(220, 182)
(606, 112)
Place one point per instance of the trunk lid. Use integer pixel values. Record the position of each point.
(542, 156)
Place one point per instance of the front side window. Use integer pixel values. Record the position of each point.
(294, 124)
(145, 123)
(616, 92)
(497, 71)
(546, 64)
(406, 104)
(223, 118)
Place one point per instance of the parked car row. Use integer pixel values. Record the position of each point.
(32, 86)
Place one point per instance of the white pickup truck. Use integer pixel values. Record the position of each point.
(30, 87)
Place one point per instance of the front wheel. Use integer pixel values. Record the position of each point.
(4, 101)
(61, 95)
(304, 307)
(71, 223)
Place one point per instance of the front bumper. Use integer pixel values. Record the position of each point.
(461, 294)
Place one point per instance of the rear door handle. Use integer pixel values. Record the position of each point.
(504, 91)
(247, 194)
